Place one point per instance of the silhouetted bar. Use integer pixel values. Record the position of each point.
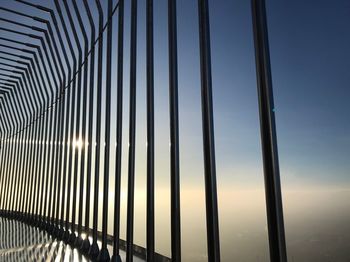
(213, 239)
(64, 232)
(150, 131)
(79, 240)
(118, 155)
(67, 170)
(104, 254)
(86, 243)
(76, 136)
(268, 135)
(174, 135)
(132, 138)
(94, 249)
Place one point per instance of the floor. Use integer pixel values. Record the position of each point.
(20, 242)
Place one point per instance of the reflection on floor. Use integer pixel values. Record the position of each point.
(20, 242)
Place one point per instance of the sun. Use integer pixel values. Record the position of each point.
(78, 143)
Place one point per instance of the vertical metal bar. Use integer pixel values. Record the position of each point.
(118, 156)
(104, 254)
(13, 173)
(11, 181)
(86, 243)
(23, 145)
(35, 175)
(150, 131)
(74, 137)
(61, 170)
(21, 183)
(63, 223)
(40, 138)
(54, 167)
(213, 240)
(29, 177)
(268, 135)
(47, 154)
(5, 151)
(22, 157)
(79, 240)
(57, 184)
(70, 156)
(132, 138)
(26, 169)
(50, 176)
(33, 179)
(25, 175)
(41, 215)
(65, 142)
(174, 134)
(8, 175)
(75, 148)
(60, 102)
(14, 177)
(6, 120)
(69, 132)
(10, 155)
(18, 170)
(5, 174)
(34, 169)
(41, 169)
(94, 249)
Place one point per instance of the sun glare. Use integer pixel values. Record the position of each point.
(78, 143)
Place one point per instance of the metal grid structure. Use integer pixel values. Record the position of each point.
(47, 77)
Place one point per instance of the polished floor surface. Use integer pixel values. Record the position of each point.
(20, 242)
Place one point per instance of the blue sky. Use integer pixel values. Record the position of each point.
(309, 61)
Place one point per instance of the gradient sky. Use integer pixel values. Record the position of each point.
(309, 43)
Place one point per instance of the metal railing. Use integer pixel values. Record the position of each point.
(50, 73)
